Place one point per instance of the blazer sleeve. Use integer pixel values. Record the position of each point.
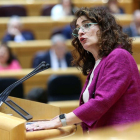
(114, 82)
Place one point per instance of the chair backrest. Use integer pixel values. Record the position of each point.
(37, 94)
(63, 87)
(46, 10)
(16, 92)
(10, 10)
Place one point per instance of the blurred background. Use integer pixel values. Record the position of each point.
(32, 31)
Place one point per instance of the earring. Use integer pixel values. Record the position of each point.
(87, 52)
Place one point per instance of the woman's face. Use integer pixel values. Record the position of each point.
(4, 55)
(88, 38)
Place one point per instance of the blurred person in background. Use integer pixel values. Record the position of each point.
(57, 56)
(7, 60)
(133, 30)
(65, 8)
(113, 7)
(15, 32)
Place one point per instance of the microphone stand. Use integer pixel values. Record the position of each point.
(4, 95)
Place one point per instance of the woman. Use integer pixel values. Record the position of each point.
(7, 60)
(111, 93)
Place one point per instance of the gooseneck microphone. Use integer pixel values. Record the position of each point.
(41, 67)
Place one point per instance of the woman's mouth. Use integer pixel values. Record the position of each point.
(82, 40)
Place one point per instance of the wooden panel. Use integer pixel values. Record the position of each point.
(4, 135)
(32, 108)
(66, 106)
(136, 4)
(13, 128)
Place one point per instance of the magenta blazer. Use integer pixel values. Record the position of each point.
(116, 85)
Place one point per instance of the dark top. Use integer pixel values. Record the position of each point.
(45, 56)
(26, 34)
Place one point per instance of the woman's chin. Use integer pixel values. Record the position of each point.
(85, 46)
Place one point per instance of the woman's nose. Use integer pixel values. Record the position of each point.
(81, 31)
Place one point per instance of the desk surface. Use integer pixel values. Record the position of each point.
(52, 133)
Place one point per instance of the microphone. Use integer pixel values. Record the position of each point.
(41, 67)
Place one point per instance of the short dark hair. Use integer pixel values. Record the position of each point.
(110, 37)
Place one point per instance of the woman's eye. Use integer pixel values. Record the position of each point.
(86, 25)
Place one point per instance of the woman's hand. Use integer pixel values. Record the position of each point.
(41, 125)
(71, 119)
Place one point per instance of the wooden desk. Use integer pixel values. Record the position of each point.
(65, 106)
(13, 127)
(26, 50)
(34, 7)
(42, 26)
(136, 4)
(40, 79)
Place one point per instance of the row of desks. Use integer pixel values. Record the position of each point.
(40, 79)
(42, 27)
(34, 7)
(25, 51)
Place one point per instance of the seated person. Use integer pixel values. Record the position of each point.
(65, 8)
(133, 30)
(57, 56)
(7, 60)
(15, 32)
(112, 6)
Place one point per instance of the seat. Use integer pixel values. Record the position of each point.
(37, 94)
(63, 87)
(10, 10)
(16, 92)
(46, 10)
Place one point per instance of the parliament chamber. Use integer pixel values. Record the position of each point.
(25, 51)
(42, 28)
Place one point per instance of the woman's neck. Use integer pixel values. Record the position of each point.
(95, 54)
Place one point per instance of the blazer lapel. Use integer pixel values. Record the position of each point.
(92, 86)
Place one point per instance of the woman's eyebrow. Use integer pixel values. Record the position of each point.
(82, 22)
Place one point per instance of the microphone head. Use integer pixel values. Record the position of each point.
(45, 65)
